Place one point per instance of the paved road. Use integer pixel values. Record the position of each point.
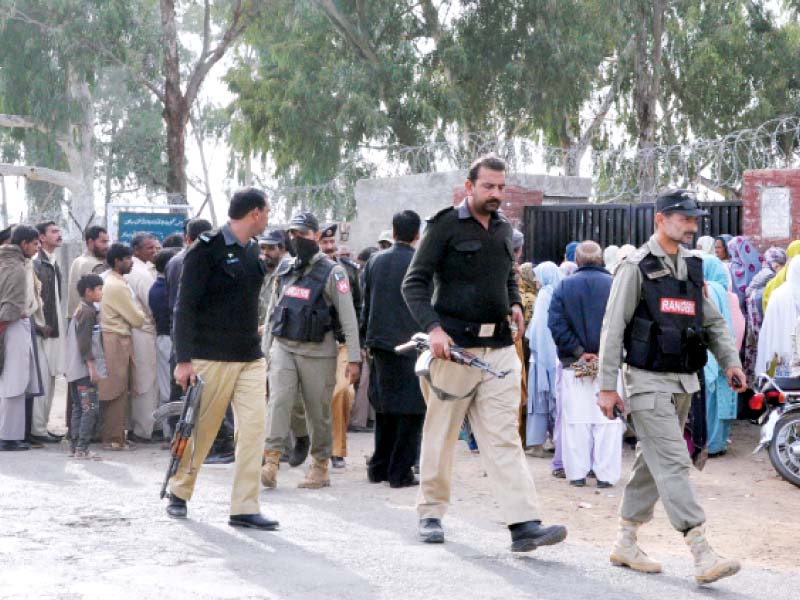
(72, 529)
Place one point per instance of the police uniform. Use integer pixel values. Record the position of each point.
(462, 279)
(659, 313)
(216, 328)
(309, 303)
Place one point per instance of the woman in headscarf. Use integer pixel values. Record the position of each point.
(610, 257)
(745, 264)
(528, 290)
(791, 251)
(542, 376)
(569, 254)
(567, 268)
(721, 402)
(775, 339)
(705, 244)
(721, 247)
(774, 260)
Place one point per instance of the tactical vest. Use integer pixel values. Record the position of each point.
(666, 333)
(302, 315)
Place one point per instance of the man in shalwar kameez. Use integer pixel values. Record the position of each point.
(589, 440)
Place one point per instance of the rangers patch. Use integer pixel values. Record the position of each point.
(300, 293)
(342, 283)
(678, 306)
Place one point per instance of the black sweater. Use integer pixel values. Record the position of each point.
(216, 316)
(472, 271)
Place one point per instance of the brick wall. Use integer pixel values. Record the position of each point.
(754, 186)
(513, 206)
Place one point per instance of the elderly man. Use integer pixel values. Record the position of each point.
(589, 440)
(144, 399)
(51, 335)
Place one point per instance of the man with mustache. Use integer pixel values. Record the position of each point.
(462, 289)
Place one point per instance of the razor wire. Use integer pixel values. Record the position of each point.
(621, 174)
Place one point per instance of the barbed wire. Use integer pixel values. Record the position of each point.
(618, 174)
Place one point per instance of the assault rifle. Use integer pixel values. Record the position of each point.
(184, 429)
(421, 343)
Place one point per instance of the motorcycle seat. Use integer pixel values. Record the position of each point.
(788, 384)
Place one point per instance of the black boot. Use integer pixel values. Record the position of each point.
(176, 507)
(254, 521)
(529, 535)
(300, 451)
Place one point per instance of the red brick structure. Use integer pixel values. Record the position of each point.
(771, 203)
(516, 200)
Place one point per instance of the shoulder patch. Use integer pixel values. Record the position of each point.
(342, 281)
(439, 214)
(207, 236)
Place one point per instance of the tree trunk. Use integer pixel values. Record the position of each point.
(110, 169)
(3, 202)
(80, 156)
(646, 91)
(176, 112)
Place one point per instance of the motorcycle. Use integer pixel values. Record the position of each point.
(780, 423)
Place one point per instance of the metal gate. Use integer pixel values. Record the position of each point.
(548, 229)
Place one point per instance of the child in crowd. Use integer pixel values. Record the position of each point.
(82, 372)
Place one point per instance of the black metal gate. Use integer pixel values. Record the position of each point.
(548, 229)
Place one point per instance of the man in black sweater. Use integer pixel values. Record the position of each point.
(467, 256)
(385, 323)
(216, 338)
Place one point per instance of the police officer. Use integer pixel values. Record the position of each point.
(659, 313)
(461, 287)
(216, 337)
(311, 300)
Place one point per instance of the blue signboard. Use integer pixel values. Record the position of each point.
(159, 224)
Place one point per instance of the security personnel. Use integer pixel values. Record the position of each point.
(311, 300)
(343, 391)
(659, 313)
(216, 338)
(461, 287)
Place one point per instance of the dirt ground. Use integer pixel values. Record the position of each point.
(750, 509)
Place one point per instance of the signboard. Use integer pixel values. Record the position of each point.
(159, 224)
(776, 213)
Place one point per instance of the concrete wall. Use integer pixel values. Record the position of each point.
(378, 199)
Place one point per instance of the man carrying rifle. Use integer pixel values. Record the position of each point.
(216, 337)
(467, 254)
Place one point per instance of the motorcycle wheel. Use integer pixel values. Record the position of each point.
(784, 450)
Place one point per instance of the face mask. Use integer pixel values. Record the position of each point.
(305, 249)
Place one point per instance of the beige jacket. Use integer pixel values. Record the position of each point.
(119, 312)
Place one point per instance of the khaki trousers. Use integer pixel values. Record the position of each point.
(289, 373)
(341, 405)
(113, 390)
(493, 408)
(243, 384)
(661, 467)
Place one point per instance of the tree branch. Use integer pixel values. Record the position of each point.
(211, 57)
(345, 27)
(59, 178)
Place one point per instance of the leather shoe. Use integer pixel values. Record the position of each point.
(430, 531)
(409, 481)
(13, 445)
(219, 459)
(176, 507)
(32, 443)
(529, 535)
(255, 521)
(45, 439)
(578, 482)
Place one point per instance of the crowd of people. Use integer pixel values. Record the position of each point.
(294, 341)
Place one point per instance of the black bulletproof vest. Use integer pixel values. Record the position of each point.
(302, 315)
(666, 333)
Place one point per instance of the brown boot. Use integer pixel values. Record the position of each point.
(708, 565)
(317, 476)
(269, 472)
(626, 552)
